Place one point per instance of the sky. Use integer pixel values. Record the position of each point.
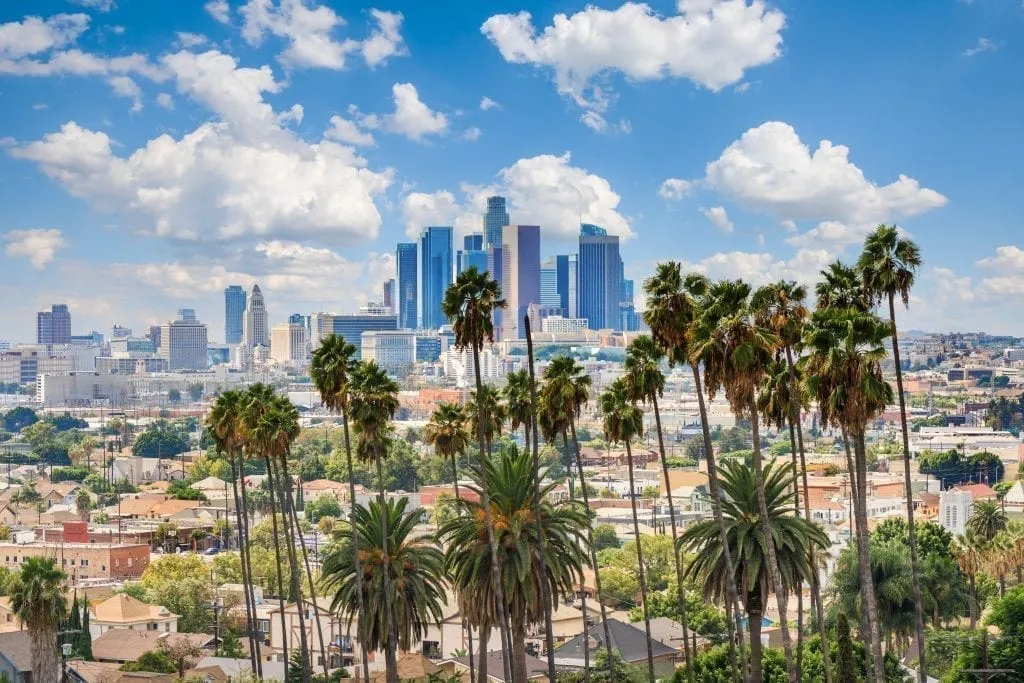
(153, 153)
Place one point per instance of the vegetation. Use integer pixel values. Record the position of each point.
(161, 439)
(952, 467)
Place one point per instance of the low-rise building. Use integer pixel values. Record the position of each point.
(81, 560)
(124, 612)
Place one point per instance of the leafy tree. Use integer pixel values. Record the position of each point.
(1007, 614)
(160, 439)
(174, 395)
(605, 537)
(619, 584)
(324, 506)
(155, 661)
(18, 418)
(846, 663)
(182, 584)
(195, 392)
(230, 646)
(181, 490)
(74, 473)
(605, 669)
(952, 468)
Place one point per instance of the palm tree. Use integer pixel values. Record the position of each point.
(493, 414)
(622, 422)
(330, 371)
(987, 519)
(646, 383)
(448, 434)
(517, 402)
(840, 287)
(792, 540)
(468, 556)
(887, 266)
(844, 373)
(969, 552)
(470, 304)
(412, 565)
(566, 390)
(671, 312)
(224, 421)
(37, 599)
(736, 349)
(374, 402)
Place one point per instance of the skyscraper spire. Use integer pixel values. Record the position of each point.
(257, 330)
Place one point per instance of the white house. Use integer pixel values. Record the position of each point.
(955, 507)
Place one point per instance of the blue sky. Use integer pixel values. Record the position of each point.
(152, 153)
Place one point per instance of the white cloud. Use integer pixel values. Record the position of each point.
(983, 45)
(37, 246)
(718, 218)
(189, 41)
(309, 30)
(33, 35)
(219, 10)
(760, 268)
(473, 133)
(486, 104)
(422, 209)
(771, 171)
(674, 189)
(237, 176)
(123, 86)
(40, 106)
(98, 5)
(411, 118)
(348, 132)
(710, 42)
(1007, 258)
(165, 100)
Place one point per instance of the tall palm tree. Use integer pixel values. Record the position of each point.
(736, 348)
(407, 563)
(517, 402)
(792, 539)
(673, 306)
(330, 371)
(492, 414)
(566, 390)
(844, 373)
(448, 434)
(969, 552)
(987, 520)
(646, 383)
(622, 422)
(887, 266)
(840, 287)
(470, 303)
(468, 556)
(224, 421)
(37, 599)
(374, 401)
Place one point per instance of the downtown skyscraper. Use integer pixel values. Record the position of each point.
(54, 326)
(599, 278)
(567, 284)
(435, 273)
(234, 314)
(408, 289)
(520, 276)
(495, 219)
(471, 254)
(257, 328)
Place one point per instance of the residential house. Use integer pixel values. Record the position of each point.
(630, 641)
(122, 611)
(670, 632)
(223, 669)
(16, 657)
(126, 646)
(536, 669)
(80, 671)
(341, 647)
(1014, 498)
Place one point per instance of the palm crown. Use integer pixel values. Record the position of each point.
(888, 264)
(469, 303)
(446, 431)
(373, 402)
(518, 406)
(621, 419)
(330, 371)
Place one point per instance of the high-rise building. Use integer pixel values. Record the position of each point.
(549, 284)
(351, 326)
(435, 273)
(520, 281)
(389, 293)
(408, 291)
(393, 350)
(54, 326)
(599, 290)
(118, 332)
(183, 345)
(234, 314)
(494, 267)
(297, 319)
(257, 328)
(567, 283)
(472, 253)
(495, 219)
(187, 314)
(288, 343)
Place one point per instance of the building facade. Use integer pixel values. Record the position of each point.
(394, 350)
(234, 314)
(408, 287)
(389, 293)
(351, 326)
(599, 288)
(557, 324)
(257, 330)
(954, 509)
(495, 219)
(54, 326)
(435, 273)
(288, 344)
(566, 282)
(520, 282)
(82, 560)
(183, 345)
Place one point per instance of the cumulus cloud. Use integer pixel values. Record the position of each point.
(219, 10)
(709, 42)
(411, 117)
(309, 31)
(37, 246)
(473, 133)
(348, 132)
(760, 268)
(486, 104)
(190, 41)
(240, 175)
(124, 86)
(1006, 258)
(98, 5)
(674, 189)
(718, 217)
(33, 35)
(165, 100)
(983, 45)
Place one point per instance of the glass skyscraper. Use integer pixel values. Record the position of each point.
(408, 291)
(472, 253)
(435, 273)
(520, 276)
(567, 284)
(495, 219)
(54, 326)
(599, 278)
(234, 314)
(549, 284)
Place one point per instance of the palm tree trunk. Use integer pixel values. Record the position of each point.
(799, 583)
(250, 613)
(545, 588)
(485, 635)
(277, 558)
(676, 554)
(465, 625)
(773, 560)
(854, 526)
(519, 652)
(364, 655)
(485, 500)
(287, 511)
(755, 612)
(583, 588)
(732, 595)
(974, 601)
(391, 649)
(863, 546)
(641, 573)
(593, 555)
(911, 531)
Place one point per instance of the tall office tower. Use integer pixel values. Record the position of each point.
(257, 329)
(435, 273)
(495, 219)
(288, 343)
(494, 268)
(471, 254)
(234, 314)
(297, 319)
(389, 293)
(119, 332)
(520, 281)
(549, 284)
(408, 292)
(567, 283)
(154, 335)
(188, 314)
(629, 321)
(599, 294)
(54, 326)
(183, 345)
(351, 326)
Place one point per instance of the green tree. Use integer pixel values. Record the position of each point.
(605, 537)
(161, 439)
(987, 519)
(18, 418)
(182, 584)
(324, 506)
(37, 600)
(846, 664)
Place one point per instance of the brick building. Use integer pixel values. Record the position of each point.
(82, 560)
